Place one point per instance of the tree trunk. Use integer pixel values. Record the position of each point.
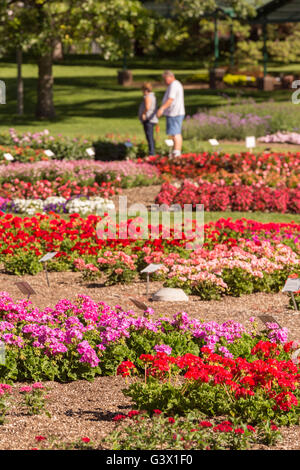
(45, 106)
(57, 50)
(20, 89)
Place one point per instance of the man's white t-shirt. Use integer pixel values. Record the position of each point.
(175, 91)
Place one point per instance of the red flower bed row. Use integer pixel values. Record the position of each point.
(265, 385)
(191, 165)
(219, 197)
(242, 377)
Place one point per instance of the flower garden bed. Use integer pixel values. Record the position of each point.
(30, 147)
(236, 258)
(219, 196)
(84, 339)
(225, 124)
(73, 418)
(80, 339)
(236, 121)
(267, 182)
(41, 180)
(270, 169)
(212, 378)
(84, 205)
(22, 154)
(87, 316)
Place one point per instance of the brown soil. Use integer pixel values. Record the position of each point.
(82, 408)
(144, 195)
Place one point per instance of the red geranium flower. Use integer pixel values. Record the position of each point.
(40, 438)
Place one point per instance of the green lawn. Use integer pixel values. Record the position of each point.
(89, 101)
(236, 147)
(259, 216)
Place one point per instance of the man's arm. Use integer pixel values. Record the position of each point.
(161, 110)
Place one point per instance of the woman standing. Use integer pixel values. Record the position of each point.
(147, 115)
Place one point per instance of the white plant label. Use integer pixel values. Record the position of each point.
(250, 142)
(49, 153)
(152, 268)
(2, 353)
(169, 142)
(213, 142)
(291, 285)
(48, 256)
(8, 157)
(90, 152)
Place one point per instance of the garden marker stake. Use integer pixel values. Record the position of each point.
(138, 304)
(151, 268)
(294, 301)
(44, 260)
(269, 319)
(25, 288)
(46, 272)
(292, 285)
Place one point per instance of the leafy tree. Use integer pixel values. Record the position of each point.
(13, 27)
(199, 8)
(198, 18)
(114, 24)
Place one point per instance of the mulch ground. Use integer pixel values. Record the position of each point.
(82, 408)
(145, 195)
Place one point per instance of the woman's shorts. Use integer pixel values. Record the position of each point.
(174, 124)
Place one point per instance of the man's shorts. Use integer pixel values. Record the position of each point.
(174, 125)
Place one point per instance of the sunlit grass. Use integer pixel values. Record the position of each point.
(89, 101)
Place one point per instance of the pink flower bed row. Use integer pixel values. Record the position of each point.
(81, 170)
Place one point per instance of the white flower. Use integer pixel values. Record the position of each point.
(29, 206)
(54, 200)
(97, 205)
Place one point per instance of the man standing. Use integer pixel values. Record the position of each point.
(173, 108)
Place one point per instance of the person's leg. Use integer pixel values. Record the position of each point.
(148, 128)
(171, 131)
(177, 137)
(177, 142)
(151, 138)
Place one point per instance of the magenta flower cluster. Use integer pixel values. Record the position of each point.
(87, 328)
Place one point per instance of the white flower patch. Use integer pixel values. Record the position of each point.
(97, 205)
(54, 200)
(29, 206)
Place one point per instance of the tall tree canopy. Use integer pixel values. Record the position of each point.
(114, 24)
